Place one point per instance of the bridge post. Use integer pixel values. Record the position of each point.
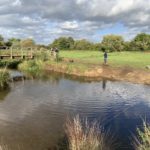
(11, 53)
(31, 53)
(22, 54)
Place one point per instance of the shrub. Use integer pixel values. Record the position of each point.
(12, 64)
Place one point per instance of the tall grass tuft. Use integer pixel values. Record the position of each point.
(32, 66)
(82, 136)
(4, 78)
(143, 140)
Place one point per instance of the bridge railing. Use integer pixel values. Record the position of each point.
(12, 52)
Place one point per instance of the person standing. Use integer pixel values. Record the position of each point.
(105, 57)
(56, 54)
(52, 51)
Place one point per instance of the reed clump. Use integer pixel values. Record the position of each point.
(143, 140)
(4, 78)
(32, 66)
(82, 136)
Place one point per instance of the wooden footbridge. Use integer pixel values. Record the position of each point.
(11, 53)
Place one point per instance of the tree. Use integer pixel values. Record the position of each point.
(83, 45)
(127, 46)
(13, 42)
(27, 43)
(141, 42)
(71, 42)
(41, 46)
(1, 40)
(96, 46)
(63, 43)
(8, 44)
(112, 43)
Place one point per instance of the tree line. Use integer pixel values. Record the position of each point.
(111, 43)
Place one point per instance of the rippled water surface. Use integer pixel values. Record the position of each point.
(33, 112)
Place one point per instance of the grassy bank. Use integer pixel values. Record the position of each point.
(4, 78)
(115, 59)
(68, 67)
(97, 72)
(123, 66)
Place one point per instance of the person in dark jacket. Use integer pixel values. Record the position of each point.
(105, 57)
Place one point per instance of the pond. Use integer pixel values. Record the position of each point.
(33, 112)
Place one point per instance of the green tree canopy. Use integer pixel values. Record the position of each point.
(13, 42)
(96, 46)
(1, 41)
(63, 43)
(27, 43)
(113, 43)
(83, 45)
(141, 42)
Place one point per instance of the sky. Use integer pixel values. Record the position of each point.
(45, 20)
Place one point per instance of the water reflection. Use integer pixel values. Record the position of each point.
(104, 84)
(50, 75)
(4, 93)
(33, 113)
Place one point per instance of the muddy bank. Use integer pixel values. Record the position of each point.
(120, 74)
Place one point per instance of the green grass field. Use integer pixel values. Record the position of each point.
(115, 59)
(87, 58)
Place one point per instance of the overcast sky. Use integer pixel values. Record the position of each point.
(45, 20)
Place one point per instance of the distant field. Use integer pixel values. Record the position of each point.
(116, 59)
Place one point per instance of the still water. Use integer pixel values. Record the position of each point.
(33, 112)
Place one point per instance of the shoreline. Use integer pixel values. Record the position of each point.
(128, 74)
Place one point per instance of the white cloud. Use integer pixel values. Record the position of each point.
(70, 25)
(16, 3)
(48, 19)
(123, 6)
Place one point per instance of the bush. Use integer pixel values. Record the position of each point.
(12, 64)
